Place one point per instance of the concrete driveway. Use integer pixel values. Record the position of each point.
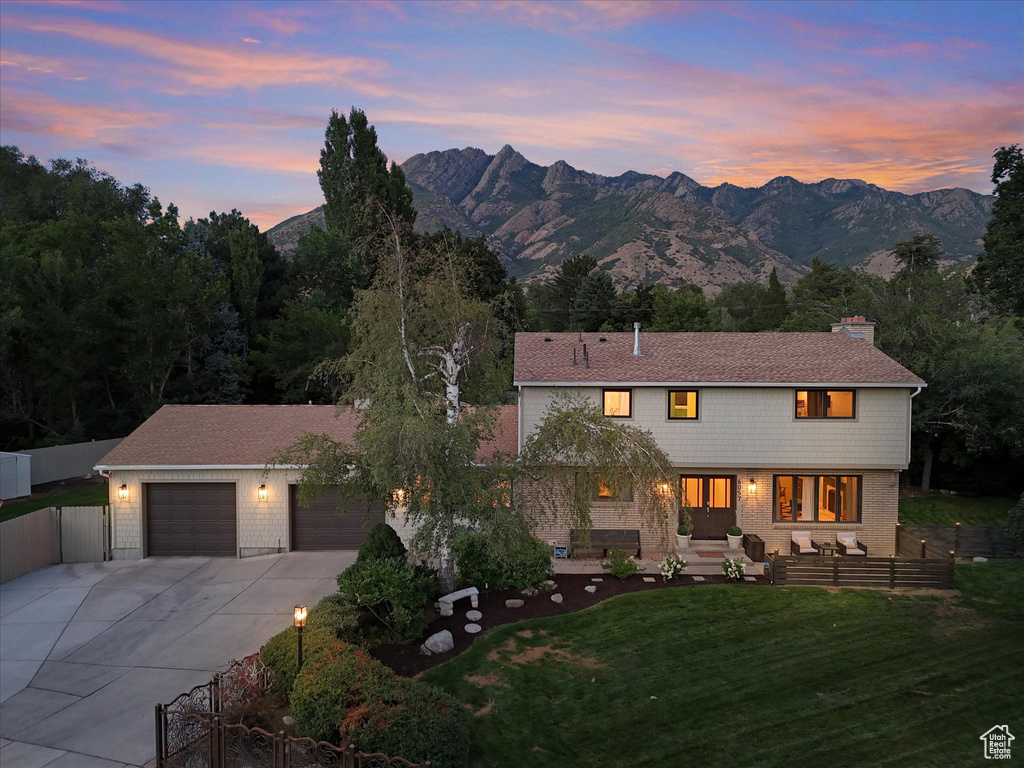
(87, 650)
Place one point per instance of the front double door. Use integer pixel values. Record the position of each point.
(712, 503)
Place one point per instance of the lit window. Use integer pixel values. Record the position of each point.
(825, 404)
(825, 499)
(617, 403)
(682, 404)
(607, 491)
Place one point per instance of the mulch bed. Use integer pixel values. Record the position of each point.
(407, 660)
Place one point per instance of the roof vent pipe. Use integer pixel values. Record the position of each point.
(636, 340)
(574, 355)
(586, 357)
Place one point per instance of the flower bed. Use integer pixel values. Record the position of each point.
(406, 659)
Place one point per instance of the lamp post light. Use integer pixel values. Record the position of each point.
(300, 621)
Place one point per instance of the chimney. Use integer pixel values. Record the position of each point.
(856, 327)
(636, 340)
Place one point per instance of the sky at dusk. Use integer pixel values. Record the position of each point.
(220, 105)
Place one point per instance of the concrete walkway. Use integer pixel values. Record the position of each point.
(87, 650)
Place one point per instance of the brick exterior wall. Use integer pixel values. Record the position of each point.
(757, 427)
(262, 526)
(754, 513)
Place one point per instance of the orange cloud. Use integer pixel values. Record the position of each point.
(218, 67)
(32, 112)
(557, 16)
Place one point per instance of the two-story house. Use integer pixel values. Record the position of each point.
(773, 432)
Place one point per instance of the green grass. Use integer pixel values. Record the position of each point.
(734, 675)
(949, 510)
(92, 496)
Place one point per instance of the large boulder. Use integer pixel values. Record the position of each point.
(441, 642)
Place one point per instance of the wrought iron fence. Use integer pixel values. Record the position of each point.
(195, 730)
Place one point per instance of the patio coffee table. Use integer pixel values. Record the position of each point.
(827, 548)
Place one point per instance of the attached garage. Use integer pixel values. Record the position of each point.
(190, 519)
(319, 526)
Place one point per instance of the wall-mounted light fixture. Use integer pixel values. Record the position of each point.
(122, 492)
(664, 487)
(399, 495)
(752, 485)
(262, 492)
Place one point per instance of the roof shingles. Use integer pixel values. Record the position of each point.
(251, 435)
(707, 358)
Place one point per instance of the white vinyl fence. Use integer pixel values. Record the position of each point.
(62, 462)
(49, 536)
(15, 475)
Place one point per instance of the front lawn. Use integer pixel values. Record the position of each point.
(949, 510)
(91, 496)
(736, 675)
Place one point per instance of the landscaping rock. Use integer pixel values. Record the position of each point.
(473, 628)
(556, 598)
(529, 592)
(981, 559)
(288, 720)
(649, 579)
(550, 585)
(442, 642)
(698, 578)
(514, 602)
(474, 615)
(597, 579)
(591, 588)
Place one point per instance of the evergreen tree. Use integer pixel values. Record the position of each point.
(773, 309)
(570, 277)
(596, 302)
(685, 309)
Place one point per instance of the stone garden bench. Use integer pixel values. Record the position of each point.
(447, 602)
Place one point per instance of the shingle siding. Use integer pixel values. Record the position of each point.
(756, 426)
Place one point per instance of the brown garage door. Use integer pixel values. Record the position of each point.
(319, 526)
(190, 519)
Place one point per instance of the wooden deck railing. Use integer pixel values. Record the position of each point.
(879, 572)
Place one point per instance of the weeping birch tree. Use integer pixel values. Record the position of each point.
(418, 333)
(576, 450)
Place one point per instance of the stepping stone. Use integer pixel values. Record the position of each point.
(595, 578)
(981, 559)
(749, 578)
(649, 579)
(698, 578)
(556, 598)
(591, 588)
(474, 615)
(514, 602)
(473, 628)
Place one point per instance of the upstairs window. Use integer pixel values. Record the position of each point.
(825, 403)
(682, 404)
(618, 403)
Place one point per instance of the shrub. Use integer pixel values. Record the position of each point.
(477, 566)
(735, 530)
(1017, 524)
(381, 543)
(480, 565)
(416, 721)
(620, 564)
(390, 592)
(281, 655)
(671, 567)
(734, 569)
(336, 616)
(328, 685)
(682, 530)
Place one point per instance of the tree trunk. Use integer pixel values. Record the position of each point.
(926, 470)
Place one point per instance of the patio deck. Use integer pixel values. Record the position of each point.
(696, 565)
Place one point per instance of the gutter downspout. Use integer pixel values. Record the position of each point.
(519, 420)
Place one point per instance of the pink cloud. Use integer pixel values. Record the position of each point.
(33, 112)
(220, 67)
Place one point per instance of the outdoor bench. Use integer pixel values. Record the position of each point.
(603, 540)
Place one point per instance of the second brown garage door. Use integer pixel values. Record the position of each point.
(319, 526)
(190, 519)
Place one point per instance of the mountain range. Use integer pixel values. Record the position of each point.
(645, 228)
